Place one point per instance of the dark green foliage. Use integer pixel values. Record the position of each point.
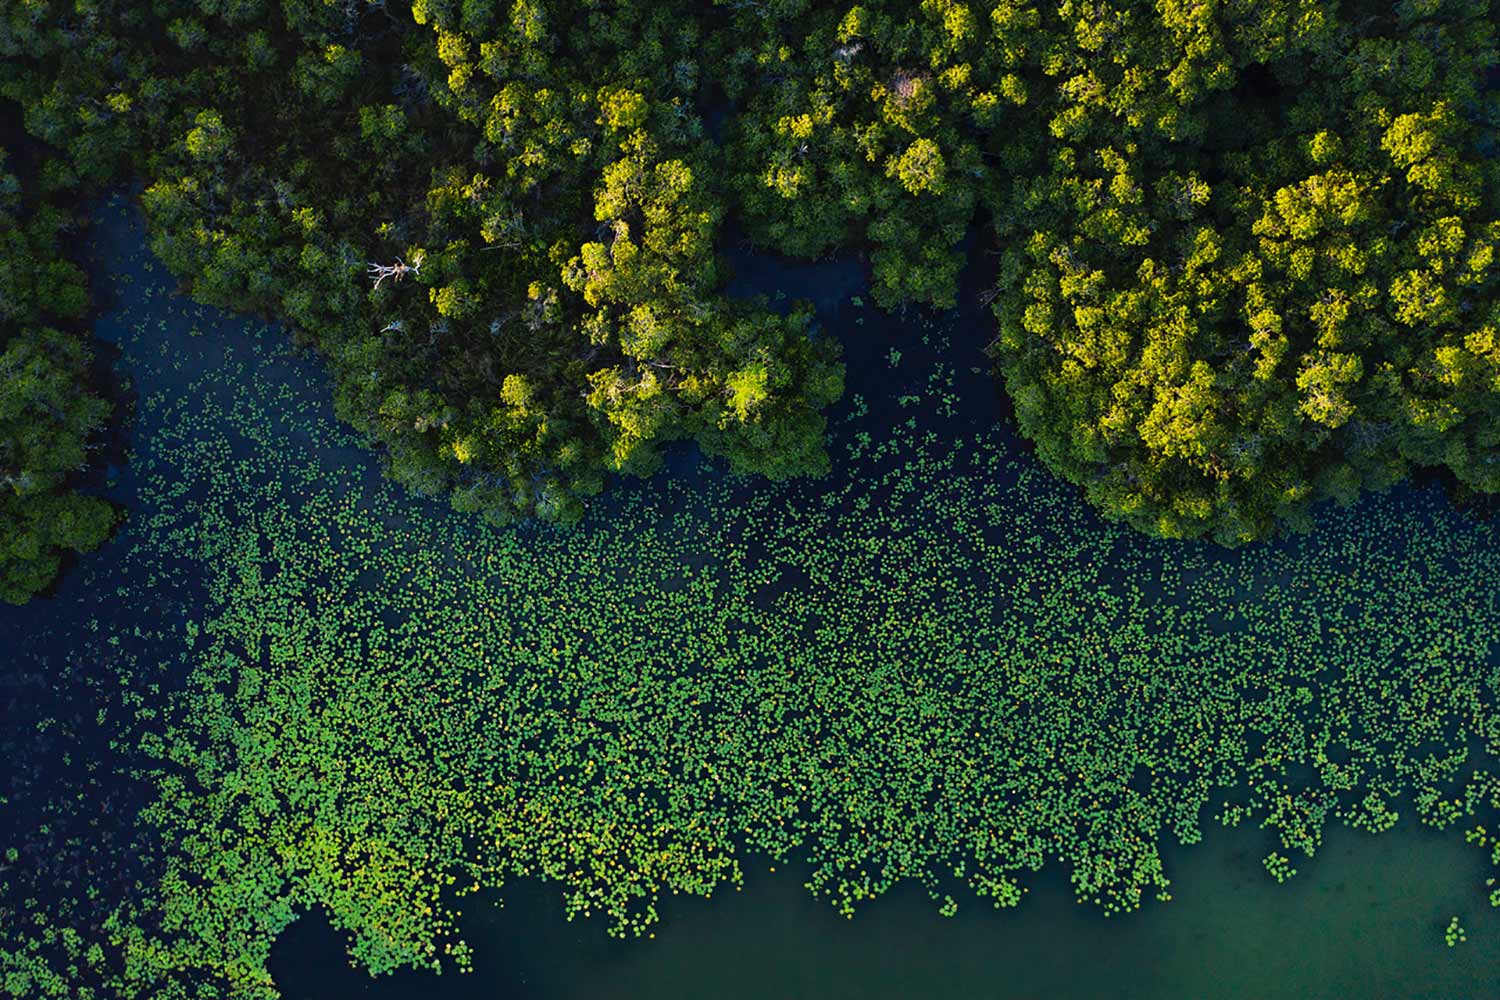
(503, 246)
(46, 417)
(866, 122)
(1251, 259)
(44, 425)
(1247, 250)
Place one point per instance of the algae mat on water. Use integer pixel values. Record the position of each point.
(934, 665)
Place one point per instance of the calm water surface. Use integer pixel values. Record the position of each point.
(1363, 919)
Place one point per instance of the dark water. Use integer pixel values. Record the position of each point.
(1364, 918)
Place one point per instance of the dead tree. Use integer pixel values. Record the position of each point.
(395, 271)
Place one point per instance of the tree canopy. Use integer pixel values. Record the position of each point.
(46, 414)
(1253, 266)
(1246, 250)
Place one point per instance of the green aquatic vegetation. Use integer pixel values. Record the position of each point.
(1454, 934)
(936, 665)
(1279, 866)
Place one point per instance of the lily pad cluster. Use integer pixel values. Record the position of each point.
(937, 665)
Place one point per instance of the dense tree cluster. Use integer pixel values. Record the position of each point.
(870, 123)
(1246, 249)
(497, 222)
(1250, 258)
(46, 415)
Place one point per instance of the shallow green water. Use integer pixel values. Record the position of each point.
(1362, 920)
